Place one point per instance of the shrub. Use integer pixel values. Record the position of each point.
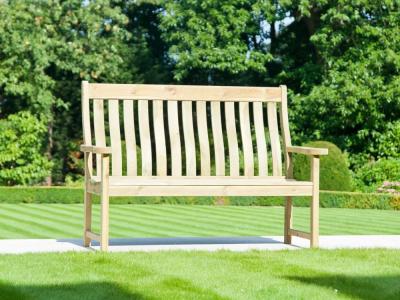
(21, 161)
(334, 171)
(69, 195)
(370, 176)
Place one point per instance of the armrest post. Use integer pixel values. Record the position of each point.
(314, 224)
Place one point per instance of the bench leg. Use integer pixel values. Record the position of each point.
(104, 231)
(314, 224)
(87, 218)
(288, 220)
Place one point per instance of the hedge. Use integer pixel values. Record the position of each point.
(75, 195)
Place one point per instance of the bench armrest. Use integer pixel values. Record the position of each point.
(96, 149)
(307, 150)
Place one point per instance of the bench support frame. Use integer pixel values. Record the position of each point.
(289, 231)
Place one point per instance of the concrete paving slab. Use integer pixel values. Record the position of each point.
(18, 246)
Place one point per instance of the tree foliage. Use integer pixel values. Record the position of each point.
(340, 60)
(21, 158)
(357, 104)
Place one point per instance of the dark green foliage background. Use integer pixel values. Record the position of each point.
(339, 59)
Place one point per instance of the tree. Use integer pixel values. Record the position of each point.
(358, 101)
(211, 40)
(48, 47)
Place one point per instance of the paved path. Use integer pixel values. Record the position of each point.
(200, 243)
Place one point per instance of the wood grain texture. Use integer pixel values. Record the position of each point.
(188, 133)
(219, 149)
(87, 132)
(145, 139)
(159, 134)
(260, 139)
(115, 137)
(175, 140)
(99, 130)
(183, 92)
(244, 116)
(274, 138)
(130, 138)
(233, 147)
(202, 128)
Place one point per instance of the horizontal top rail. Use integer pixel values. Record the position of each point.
(183, 92)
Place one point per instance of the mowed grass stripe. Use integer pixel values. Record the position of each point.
(12, 228)
(345, 218)
(194, 226)
(201, 220)
(44, 222)
(64, 220)
(254, 212)
(123, 223)
(207, 215)
(356, 216)
(33, 229)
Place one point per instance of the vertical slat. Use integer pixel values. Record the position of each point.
(159, 133)
(260, 138)
(201, 112)
(232, 139)
(145, 141)
(115, 137)
(130, 139)
(274, 138)
(87, 132)
(244, 116)
(188, 133)
(175, 141)
(218, 138)
(286, 132)
(99, 131)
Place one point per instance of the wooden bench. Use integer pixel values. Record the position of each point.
(194, 141)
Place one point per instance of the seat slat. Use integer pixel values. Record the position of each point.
(202, 128)
(244, 116)
(260, 139)
(145, 142)
(188, 133)
(99, 130)
(198, 190)
(161, 152)
(233, 147)
(175, 141)
(219, 149)
(204, 180)
(130, 138)
(115, 137)
(274, 138)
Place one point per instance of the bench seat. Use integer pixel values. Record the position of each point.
(202, 186)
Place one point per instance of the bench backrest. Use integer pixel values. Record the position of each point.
(187, 130)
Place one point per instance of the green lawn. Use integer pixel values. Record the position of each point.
(306, 274)
(65, 220)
